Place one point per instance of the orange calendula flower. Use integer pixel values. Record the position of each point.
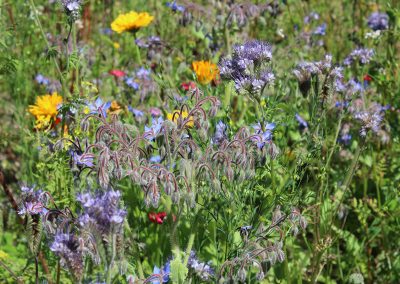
(131, 21)
(206, 71)
(174, 116)
(115, 108)
(45, 109)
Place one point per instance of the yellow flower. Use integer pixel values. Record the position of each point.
(131, 21)
(45, 109)
(174, 116)
(205, 71)
(3, 255)
(115, 108)
(116, 45)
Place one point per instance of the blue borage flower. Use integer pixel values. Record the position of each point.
(320, 30)
(175, 7)
(85, 159)
(161, 273)
(202, 269)
(303, 125)
(378, 21)
(136, 112)
(152, 131)
(265, 134)
(98, 107)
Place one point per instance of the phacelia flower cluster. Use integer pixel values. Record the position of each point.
(378, 21)
(247, 67)
(102, 212)
(359, 55)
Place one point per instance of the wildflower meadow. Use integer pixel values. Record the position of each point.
(204, 141)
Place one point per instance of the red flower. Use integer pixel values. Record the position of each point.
(367, 78)
(189, 86)
(117, 73)
(157, 217)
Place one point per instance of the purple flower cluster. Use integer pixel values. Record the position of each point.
(360, 55)
(51, 85)
(202, 269)
(378, 21)
(71, 252)
(142, 82)
(370, 119)
(246, 68)
(33, 201)
(72, 8)
(102, 212)
(220, 133)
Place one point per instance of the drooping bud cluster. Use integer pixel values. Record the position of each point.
(263, 246)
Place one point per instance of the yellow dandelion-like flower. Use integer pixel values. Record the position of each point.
(174, 116)
(206, 71)
(115, 108)
(131, 21)
(116, 45)
(45, 109)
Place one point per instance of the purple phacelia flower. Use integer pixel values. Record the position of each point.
(254, 50)
(360, 55)
(33, 201)
(101, 211)
(70, 250)
(220, 133)
(378, 21)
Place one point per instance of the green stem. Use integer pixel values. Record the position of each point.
(37, 21)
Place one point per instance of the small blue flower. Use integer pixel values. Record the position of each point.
(137, 113)
(175, 7)
(302, 123)
(41, 80)
(155, 159)
(83, 160)
(98, 107)
(163, 272)
(154, 129)
(320, 30)
(132, 83)
(266, 136)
